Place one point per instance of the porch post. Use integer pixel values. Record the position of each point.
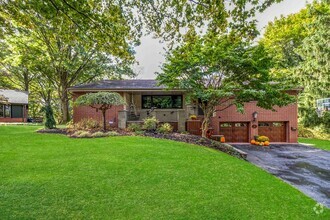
(122, 119)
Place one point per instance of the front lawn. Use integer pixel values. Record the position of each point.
(47, 176)
(322, 144)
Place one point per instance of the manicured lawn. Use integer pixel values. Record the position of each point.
(46, 176)
(322, 144)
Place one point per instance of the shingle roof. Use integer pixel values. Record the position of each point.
(134, 84)
(15, 96)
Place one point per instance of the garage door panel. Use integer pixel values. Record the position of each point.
(276, 131)
(235, 131)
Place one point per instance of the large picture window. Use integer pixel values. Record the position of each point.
(161, 101)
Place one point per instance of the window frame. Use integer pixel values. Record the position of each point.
(3, 110)
(152, 104)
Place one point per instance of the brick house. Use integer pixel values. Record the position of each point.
(13, 105)
(145, 98)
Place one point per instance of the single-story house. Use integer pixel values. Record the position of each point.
(145, 98)
(13, 105)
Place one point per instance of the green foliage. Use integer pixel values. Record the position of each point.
(139, 133)
(83, 134)
(299, 45)
(165, 128)
(101, 101)
(100, 98)
(133, 127)
(87, 124)
(219, 70)
(104, 134)
(319, 132)
(99, 170)
(49, 117)
(150, 124)
(99, 134)
(305, 132)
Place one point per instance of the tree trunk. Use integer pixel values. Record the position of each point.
(104, 120)
(208, 112)
(64, 105)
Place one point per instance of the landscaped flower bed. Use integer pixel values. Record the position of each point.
(261, 141)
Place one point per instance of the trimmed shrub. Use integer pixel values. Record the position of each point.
(112, 133)
(150, 124)
(139, 133)
(84, 134)
(165, 128)
(99, 134)
(87, 124)
(133, 127)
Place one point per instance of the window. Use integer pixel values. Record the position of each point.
(17, 111)
(161, 101)
(240, 124)
(225, 125)
(7, 111)
(2, 112)
(263, 124)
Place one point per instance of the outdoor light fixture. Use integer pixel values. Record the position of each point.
(255, 116)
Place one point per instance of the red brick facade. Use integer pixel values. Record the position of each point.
(15, 120)
(287, 115)
(81, 112)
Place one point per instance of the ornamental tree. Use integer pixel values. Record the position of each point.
(100, 101)
(221, 71)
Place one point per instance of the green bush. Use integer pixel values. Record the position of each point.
(112, 133)
(150, 124)
(139, 133)
(87, 124)
(49, 117)
(165, 128)
(99, 134)
(82, 134)
(133, 127)
(305, 132)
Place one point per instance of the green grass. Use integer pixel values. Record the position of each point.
(45, 176)
(321, 144)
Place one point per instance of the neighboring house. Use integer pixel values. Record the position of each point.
(13, 105)
(145, 98)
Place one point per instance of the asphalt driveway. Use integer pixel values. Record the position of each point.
(306, 168)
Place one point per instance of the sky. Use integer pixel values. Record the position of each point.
(150, 54)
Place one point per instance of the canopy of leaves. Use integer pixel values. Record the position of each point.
(100, 98)
(217, 68)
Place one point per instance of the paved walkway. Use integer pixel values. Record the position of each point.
(306, 168)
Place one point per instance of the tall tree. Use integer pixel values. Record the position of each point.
(299, 46)
(222, 71)
(81, 39)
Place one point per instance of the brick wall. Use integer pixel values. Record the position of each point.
(80, 112)
(288, 114)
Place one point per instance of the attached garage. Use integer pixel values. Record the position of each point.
(235, 131)
(276, 131)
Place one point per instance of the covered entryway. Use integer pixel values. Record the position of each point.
(276, 131)
(235, 131)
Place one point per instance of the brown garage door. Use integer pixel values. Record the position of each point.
(235, 131)
(276, 131)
